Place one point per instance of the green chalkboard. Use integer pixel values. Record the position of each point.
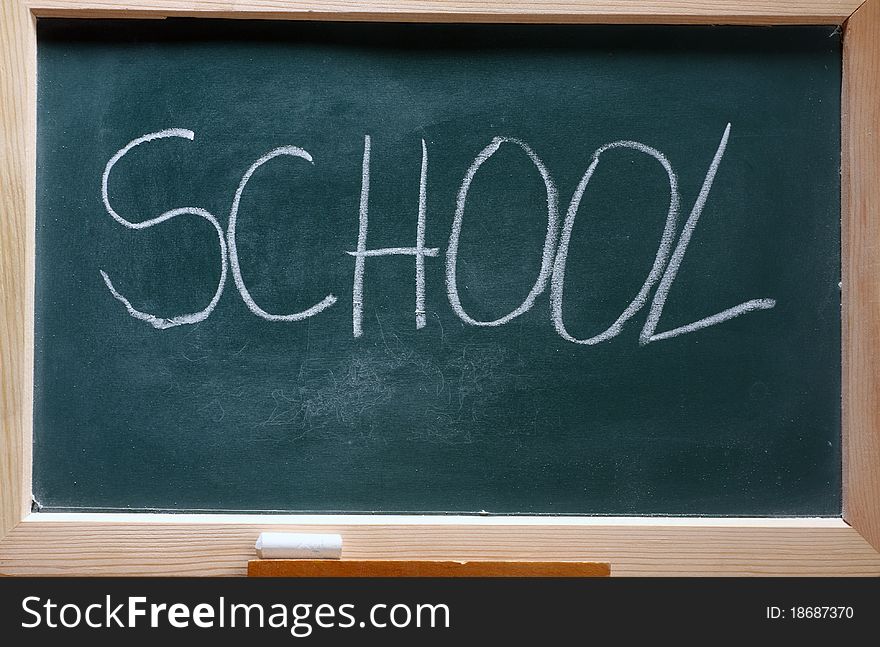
(612, 284)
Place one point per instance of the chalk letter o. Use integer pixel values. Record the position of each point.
(557, 283)
(455, 234)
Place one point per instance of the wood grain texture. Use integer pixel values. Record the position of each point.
(17, 172)
(421, 568)
(596, 11)
(162, 546)
(861, 276)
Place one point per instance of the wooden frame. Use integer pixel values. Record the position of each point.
(124, 544)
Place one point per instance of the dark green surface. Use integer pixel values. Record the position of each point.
(237, 413)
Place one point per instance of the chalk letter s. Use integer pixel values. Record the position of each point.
(159, 322)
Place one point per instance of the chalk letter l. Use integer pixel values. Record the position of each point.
(648, 332)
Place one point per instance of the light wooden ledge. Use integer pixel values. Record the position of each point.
(104, 544)
(829, 12)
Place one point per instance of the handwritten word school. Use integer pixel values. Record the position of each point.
(554, 255)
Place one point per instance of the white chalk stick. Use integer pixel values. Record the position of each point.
(297, 545)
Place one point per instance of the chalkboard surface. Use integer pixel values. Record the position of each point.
(377, 267)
